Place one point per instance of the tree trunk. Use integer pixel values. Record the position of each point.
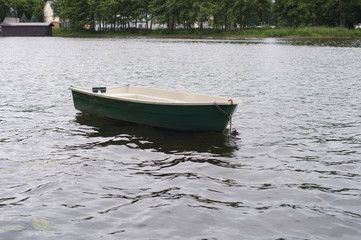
(173, 24)
(151, 24)
(342, 19)
(146, 16)
(146, 21)
(168, 22)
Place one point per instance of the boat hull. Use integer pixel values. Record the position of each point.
(195, 118)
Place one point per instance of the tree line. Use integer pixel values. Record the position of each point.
(120, 13)
(219, 14)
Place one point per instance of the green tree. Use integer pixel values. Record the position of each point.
(165, 12)
(78, 12)
(145, 6)
(348, 11)
(222, 14)
(22, 7)
(4, 10)
(94, 13)
(26, 7)
(287, 12)
(251, 12)
(261, 10)
(242, 10)
(109, 10)
(38, 13)
(204, 11)
(294, 13)
(59, 9)
(187, 14)
(24, 18)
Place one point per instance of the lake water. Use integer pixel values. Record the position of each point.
(293, 172)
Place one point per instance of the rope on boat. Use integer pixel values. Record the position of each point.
(228, 116)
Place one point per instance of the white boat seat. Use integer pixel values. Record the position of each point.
(141, 97)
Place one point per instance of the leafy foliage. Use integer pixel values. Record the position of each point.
(25, 9)
(186, 14)
(171, 13)
(38, 14)
(4, 9)
(295, 13)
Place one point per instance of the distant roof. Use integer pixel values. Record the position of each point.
(11, 19)
(31, 24)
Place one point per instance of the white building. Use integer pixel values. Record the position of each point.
(49, 15)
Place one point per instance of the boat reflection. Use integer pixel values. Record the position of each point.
(155, 139)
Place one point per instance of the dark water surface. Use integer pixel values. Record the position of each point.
(293, 172)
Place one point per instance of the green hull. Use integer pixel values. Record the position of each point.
(195, 118)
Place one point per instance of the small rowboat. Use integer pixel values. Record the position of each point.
(155, 107)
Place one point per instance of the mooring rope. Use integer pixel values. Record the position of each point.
(228, 116)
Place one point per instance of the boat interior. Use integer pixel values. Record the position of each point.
(142, 94)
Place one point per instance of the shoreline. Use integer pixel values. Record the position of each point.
(314, 32)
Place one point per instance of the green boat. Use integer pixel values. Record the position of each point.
(155, 107)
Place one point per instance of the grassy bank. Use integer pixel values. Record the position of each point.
(312, 32)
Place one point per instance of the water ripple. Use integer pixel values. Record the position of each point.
(293, 172)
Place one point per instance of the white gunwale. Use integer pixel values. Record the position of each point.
(156, 96)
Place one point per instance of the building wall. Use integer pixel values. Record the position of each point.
(26, 31)
(49, 15)
(56, 25)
